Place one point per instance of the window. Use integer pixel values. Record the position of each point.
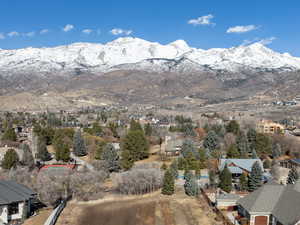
(13, 208)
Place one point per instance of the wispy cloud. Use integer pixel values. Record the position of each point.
(44, 31)
(68, 28)
(87, 31)
(119, 31)
(263, 41)
(29, 34)
(241, 29)
(13, 34)
(202, 20)
(2, 36)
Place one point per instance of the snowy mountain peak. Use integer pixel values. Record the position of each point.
(133, 52)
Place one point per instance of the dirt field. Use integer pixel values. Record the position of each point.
(178, 209)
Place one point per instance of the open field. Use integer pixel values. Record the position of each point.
(154, 209)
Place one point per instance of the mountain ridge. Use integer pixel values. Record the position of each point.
(94, 57)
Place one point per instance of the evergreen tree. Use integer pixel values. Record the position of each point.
(187, 174)
(27, 158)
(135, 126)
(267, 164)
(42, 152)
(164, 166)
(111, 157)
(181, 163)
(233, 127)
(263, 144)
(233, 152)
(211, 141)
(168, 183)
(148, 129)
(276, 151)
(293, 176)
(242, 145)
(99, 150)
(191, 186)
(202, 158)
(191, 161)
(79, 147)
(9, 135)
(10, 159)
(225, 180)
(127, 160)
(62, 151)
(174, 169)
(243, 182)
(251, 136)
(136, 144)
(254, 154)
(187, 148)
(255, 178)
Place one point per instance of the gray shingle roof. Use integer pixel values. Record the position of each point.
(11, 191)
(283, 202)
(263, 199)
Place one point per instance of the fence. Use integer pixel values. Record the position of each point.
(55, 213)
(220, 215)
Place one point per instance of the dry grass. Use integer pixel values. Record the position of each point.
(154, 209)
(40, 218)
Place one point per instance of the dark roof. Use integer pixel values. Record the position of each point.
(263, 199)
(283, 202)
(287, 211)
(11, 191)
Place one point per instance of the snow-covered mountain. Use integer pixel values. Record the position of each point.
(137, 54)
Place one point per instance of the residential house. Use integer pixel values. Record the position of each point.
(227, 201)
(290, 163)
(16, 201)
(238, 166)
(272, 204)
(269, 127)
(173, 145)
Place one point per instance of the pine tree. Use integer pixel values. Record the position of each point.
(242, 145)
(79, 147)
(187, 148)
(174, 169)
(254, 154)
(111, 157)
(9, 135)
(10, 159)
(99, 150)
(62, 151)
(211, 141)
(27, 158)
(181, 163)
(202, 158)
(198, 171)
(168, 184)
(293, 176)
(263, 144)
(148, 129)
(233, 152)
(187, 174)
(126, 160)
(136, 144)
(233, 127)
(164, 166)
(191, 186)
(212, 178)
(251, 136)
(255, 178)
(191, 161)
(225, 180)
(135, 126)
(243, 182)
(42, 152)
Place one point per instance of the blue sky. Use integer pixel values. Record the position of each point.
(203, 24)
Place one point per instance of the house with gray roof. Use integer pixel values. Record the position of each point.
(15, 201)
(272, 204)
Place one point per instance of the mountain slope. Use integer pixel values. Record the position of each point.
(139, 54)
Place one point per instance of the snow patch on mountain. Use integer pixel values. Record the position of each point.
(139, 54)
